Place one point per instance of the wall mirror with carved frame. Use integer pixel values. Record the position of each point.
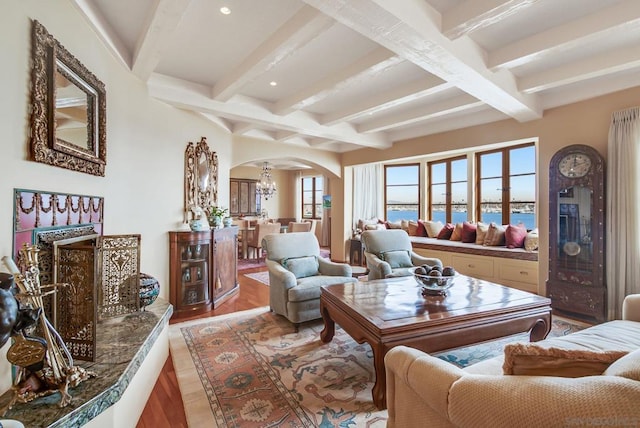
(68, 119)
(200, 178)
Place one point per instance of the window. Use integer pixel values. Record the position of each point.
(507, 186)
(448, 190)
(402, 192)
(312, 188)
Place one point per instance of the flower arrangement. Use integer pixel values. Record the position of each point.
(215, 211)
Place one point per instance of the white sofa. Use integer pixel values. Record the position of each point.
(425, 391)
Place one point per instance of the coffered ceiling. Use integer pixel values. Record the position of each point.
(340, 75)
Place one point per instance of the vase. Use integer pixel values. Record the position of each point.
(149, 290)
(216, 221)
(227, 221)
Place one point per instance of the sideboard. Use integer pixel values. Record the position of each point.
(203, 269)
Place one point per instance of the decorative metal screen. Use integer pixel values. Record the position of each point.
(119, 282)
(76, 310)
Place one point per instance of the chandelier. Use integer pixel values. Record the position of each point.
(266, 186)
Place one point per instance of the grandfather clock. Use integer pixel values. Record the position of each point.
(576, 283)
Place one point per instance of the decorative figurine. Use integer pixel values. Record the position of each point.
(200, 222)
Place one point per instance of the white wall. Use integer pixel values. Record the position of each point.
(146, 139)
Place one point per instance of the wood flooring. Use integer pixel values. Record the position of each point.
(164, 407)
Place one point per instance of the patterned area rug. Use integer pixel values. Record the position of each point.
(468, 355)
(262, 277)
(251, 369)
(244, 264)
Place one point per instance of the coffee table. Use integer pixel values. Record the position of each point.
(391, 312)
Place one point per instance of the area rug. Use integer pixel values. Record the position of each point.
(251, 369)
(468, 355)
(262, 277)
(244, 264)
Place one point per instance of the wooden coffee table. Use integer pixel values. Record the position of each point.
(391, 312)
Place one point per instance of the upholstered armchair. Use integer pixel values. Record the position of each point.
(262, 229)
(296, 273)
(389, 253)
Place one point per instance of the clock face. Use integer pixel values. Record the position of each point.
(575, 165)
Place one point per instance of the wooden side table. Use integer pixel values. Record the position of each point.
(356, 253)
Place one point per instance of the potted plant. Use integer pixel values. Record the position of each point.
(216, 214)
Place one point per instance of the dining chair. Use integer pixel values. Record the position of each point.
(255, 241)
(296, 226)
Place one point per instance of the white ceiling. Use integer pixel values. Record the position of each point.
(366, 73)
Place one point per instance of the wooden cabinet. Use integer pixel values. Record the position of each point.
(224, 270)
(576, 283)
(356, 253)
(203, 269)
(243, 197)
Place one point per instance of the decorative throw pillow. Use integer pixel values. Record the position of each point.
(457, 233)
(413, 228)
(446, 231)
(627, 366)
(363, 223)
(529, 359)
(514, 235)
(531, 240)
(302, 267)
(495, 235)
(468, 232)
(433, 228)
(397, 258)
(404, 225)
(393, 225)
(376, 226)
(481, 232)
(422, 230)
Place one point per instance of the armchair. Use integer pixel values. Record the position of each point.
(296, 274)
(389, 253)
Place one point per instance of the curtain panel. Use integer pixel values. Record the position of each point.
(367, 193)
(623, 214)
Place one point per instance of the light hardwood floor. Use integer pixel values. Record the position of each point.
(164, 407)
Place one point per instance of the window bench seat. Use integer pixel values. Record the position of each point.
(515, 267)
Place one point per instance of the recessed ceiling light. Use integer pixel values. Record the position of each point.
(273, 83)
(225, 10)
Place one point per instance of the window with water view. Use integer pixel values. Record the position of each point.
(507, 186)
(448, 190)
(402, 192)
(312, 188)
(503, 190)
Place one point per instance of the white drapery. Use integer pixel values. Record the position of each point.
(326, 215)
(623, 214)
(367, 192)
(297, 196)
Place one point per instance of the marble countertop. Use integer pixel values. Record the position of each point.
(122, 344)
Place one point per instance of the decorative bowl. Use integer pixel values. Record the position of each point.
(432, 284)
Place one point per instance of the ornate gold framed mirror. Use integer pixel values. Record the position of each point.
(200, 178)
(68, 121)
